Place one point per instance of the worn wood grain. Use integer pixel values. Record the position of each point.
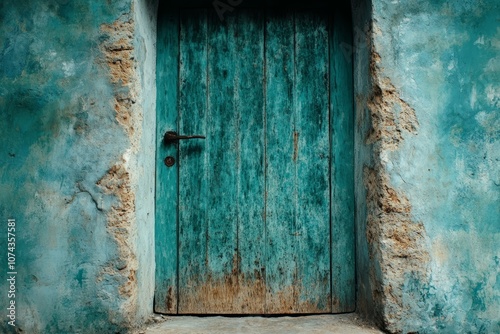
(312, 166)
(298, 221)
(166, 178)
(249, 106)
(342, 160)
(281, 186)
(264, 208)
(233, 168)
(194, 159)
(221, 260)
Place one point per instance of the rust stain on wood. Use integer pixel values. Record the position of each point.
(230, 295)
(290, 299)
(237, 294)
(287, 301)
(295, 145)
(170, 301)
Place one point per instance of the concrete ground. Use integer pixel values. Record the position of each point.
(337, 324)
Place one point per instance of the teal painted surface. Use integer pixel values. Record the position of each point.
(254, 229)
(166, 178)
(58, 137)
(311, 156)
(220, 177)
(442, 57)
(297, 163)
(251, 181)
(280, 210)
(342, 164)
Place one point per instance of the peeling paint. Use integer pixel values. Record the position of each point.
(121, 222)
(72, 160)
(238, 294)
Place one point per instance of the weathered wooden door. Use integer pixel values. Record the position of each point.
(258, 217)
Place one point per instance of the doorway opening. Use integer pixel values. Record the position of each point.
(257, 217)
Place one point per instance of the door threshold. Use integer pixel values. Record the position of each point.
(286, 324)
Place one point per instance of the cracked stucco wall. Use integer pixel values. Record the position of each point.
(427, 134)
(77, 124)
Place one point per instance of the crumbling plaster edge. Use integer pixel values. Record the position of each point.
(397, 244)
(118, 57)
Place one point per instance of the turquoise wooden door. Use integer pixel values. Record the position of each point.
(258, 217)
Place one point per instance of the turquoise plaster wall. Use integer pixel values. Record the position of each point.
(145, 16)
(443, 59)
(58, 138)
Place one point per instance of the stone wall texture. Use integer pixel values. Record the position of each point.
(428, 131)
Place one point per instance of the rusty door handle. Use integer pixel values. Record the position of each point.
(171, 137)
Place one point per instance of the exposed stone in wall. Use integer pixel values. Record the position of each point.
(119, 59)
(391, 115)
(118, 50)
(397, 243)
(120, 226)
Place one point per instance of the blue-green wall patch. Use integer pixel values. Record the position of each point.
(440, 58)
(62, 132)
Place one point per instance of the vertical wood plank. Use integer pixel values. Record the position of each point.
(313, 161)
(166, 178)
(249, 106)
(281, 187)
(217, 295)
(223, 150)
(193, 157)
(342, 120)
